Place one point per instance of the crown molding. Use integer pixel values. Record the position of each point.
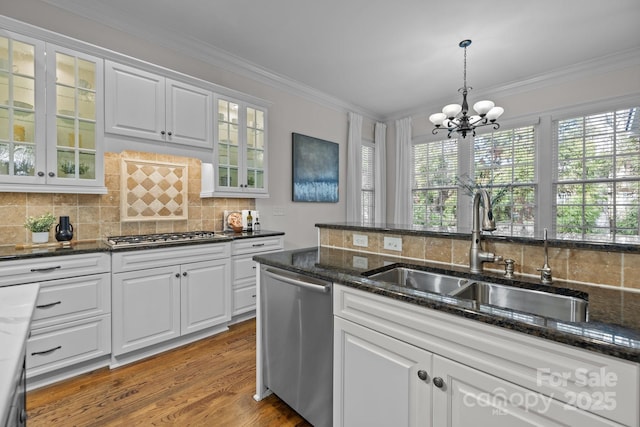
(104, 14)
(604, 64)
(206, 53)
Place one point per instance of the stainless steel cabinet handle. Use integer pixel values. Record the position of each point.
(257, 245)
(422, 375)
(438, 382)
(41, 353)
(49, 305)
(300, 283)
(45, 269)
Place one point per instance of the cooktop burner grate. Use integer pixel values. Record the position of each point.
(142, 240)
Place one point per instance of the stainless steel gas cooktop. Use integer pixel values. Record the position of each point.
(150, 240)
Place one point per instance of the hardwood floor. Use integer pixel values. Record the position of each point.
(207, 383)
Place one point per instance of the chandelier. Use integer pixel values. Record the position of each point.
(455, 118)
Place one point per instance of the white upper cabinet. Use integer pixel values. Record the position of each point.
(240, 151)
(51, 124)
(146, 105)
(74, 118)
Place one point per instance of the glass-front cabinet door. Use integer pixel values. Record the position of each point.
(74, 106)
(22, 109)
(255, 149)
(240, 149)
(228, 144)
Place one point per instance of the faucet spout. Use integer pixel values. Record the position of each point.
(477, 256)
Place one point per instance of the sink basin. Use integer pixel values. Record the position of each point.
(421, 280)
(489, 297)
(561, 307)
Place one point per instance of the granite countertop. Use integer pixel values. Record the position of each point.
(16, 309)
(75, 248)
(613, 326)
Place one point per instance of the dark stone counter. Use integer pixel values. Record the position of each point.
(613, 327)
(8, 253)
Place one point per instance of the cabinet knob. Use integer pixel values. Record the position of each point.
(178, 275)
(162, 132)
(51, 174)
(438, 382)
(40, 173)
(184, 274)
(169, 133)
(423, 375)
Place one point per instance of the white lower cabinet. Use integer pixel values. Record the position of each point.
(160, 295)
(404, 365)
(244, 270)
(71, 327)
(146, 308)
(377, 379)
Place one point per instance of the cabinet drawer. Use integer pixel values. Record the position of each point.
(64, 345)
(243, 268)
(65, 300)
(161, 257)
(256, 245)
(244, 299)
(55, 267)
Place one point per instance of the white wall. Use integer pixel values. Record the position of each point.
(288, 113)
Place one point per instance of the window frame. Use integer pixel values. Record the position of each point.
(545, 158)
(368, 144)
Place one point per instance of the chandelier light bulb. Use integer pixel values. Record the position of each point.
(437, 118)
(494, 113)
(474, 119)
(483, 107)
(452, 110)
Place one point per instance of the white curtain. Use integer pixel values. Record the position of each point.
(380, 184)
(354, 168)
(402, 210)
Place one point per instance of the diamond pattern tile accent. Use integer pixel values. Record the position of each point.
(152, 191)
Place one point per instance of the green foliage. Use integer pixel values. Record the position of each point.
(41, 223)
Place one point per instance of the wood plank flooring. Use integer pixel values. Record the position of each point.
(207, 383)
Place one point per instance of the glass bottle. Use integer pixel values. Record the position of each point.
(249, 222)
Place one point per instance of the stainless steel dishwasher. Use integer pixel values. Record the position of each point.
(297, 330)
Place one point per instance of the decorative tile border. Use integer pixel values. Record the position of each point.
(152, 191)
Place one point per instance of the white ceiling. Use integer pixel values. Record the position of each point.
(384, 57)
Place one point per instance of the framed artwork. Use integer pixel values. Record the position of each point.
(315, 169)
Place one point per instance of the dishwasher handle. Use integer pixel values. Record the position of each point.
(299, 283)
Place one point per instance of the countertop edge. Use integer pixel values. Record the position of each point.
(17, 304)
(360, 282)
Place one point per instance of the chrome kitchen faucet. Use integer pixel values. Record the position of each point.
(477, 256)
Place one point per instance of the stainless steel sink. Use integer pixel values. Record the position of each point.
(488, 297)
(421, 280)
(545, 304)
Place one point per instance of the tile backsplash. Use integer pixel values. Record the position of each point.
(590, 267)
(95, 216)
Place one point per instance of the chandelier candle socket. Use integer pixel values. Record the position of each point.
(455, 118)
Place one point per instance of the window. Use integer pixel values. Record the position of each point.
(504, 162)
(434, 188)
(368, 182)
(598, 183)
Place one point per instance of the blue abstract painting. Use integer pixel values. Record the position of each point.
(315, 169)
